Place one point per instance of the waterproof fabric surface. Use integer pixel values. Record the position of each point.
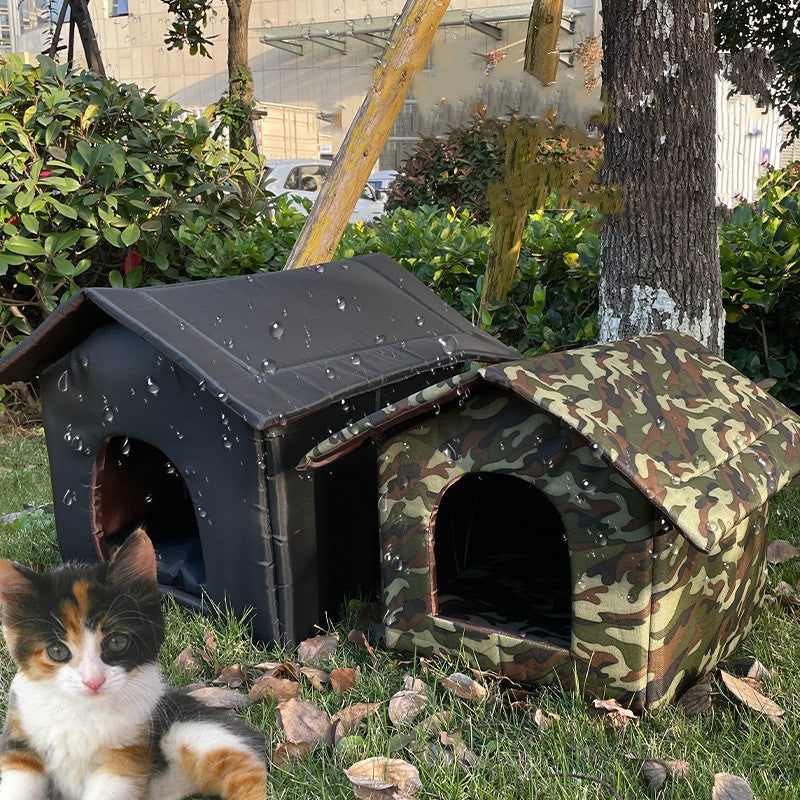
(658, 458)
(277, 346)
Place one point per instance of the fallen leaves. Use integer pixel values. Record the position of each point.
(342, 679)
(381, 778)
(613, 714)
(303, 722)
(268, 687)
(697, 699)
(318, 648)
(464, 687)
(780, 550)
(655, 772)
(731, 787)
(748, 694)
(405, 707)
(349, 718)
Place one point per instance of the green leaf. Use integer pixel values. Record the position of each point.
(23, 278)
(112, 236)
(131, 235)
(115, 279)
(23, 246)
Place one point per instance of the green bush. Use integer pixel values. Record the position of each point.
(760, 258)
(553, 302)
(96, 177)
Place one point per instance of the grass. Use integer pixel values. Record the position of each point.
(515, 759)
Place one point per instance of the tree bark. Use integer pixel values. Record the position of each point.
(79, 14)
(659, 266)
(240, 76)
(510, 201)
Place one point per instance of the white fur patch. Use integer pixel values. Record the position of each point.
(70, 729)
(18, 784)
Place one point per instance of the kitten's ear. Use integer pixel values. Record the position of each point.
(135, 560)
(15, 580)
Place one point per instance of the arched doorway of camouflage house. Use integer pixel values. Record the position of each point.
(500, 559)
(135, 484)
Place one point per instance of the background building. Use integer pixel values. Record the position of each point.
(313, 60)
(6, 27)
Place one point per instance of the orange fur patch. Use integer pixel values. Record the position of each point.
(22, 761)
(128, 762)
(73, 612)
(232, 774)
(38, 667)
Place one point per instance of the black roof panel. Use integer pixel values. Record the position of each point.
(278, 345)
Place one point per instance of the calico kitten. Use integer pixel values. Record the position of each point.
(89, 716)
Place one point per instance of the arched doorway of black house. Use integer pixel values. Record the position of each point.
(134, 484)
(500, 558)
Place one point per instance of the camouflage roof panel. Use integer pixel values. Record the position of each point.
(704, 443)
(342, 442)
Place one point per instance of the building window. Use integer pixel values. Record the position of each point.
(118, 8)
(32, 14)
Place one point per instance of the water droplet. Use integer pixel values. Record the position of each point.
(218, 319)
(447, 344)
(69, 497)
(152, 386)
(67, 437)
(379, 339)
(330, 373)
(227, 443)
(268, 367)
(341, 303)
(178, 435)
(660, 423)
(126, 446)
(77, 444)
(419, 320)
(355, 359)
(320, 268)
(170, 468)
(276, 330)
(108, 414)
(229, 343)
(63, 382)
(148, 498)
(201, 512)
(84, 360)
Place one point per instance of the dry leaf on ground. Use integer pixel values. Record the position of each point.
(731, 787)
(318, 648)
(655, 771)
(464, 687)
(613, 714)
(268, 687)
(411, 684)
(217, 697)
(342, 679)
(232, 676)
(747, 668)
(780, 550)
(750, 696)
(350, 717)
(382, 778)
(302, 721)
(459, 748)
(545, 719)
(405, 707)
(287, 754)
(318, 678)
(435, 724)
(187, 660)
(359, 639)
(697, 698)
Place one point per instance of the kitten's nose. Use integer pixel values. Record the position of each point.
(94, 683)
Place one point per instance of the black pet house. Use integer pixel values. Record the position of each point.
(186, 408)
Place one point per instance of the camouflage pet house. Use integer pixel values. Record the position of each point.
(596, 514)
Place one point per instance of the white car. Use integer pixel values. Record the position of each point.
(302, 178)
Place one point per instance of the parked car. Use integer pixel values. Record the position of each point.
(381, 180)
(302, 178)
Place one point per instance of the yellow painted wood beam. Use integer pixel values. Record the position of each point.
(541, 44)
(405, 55)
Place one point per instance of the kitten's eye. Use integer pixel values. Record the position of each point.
(59, 653)
(117, 642)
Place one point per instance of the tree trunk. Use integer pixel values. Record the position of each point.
(659, 266)
(240, 76)
(510, 201)
(79, 14)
